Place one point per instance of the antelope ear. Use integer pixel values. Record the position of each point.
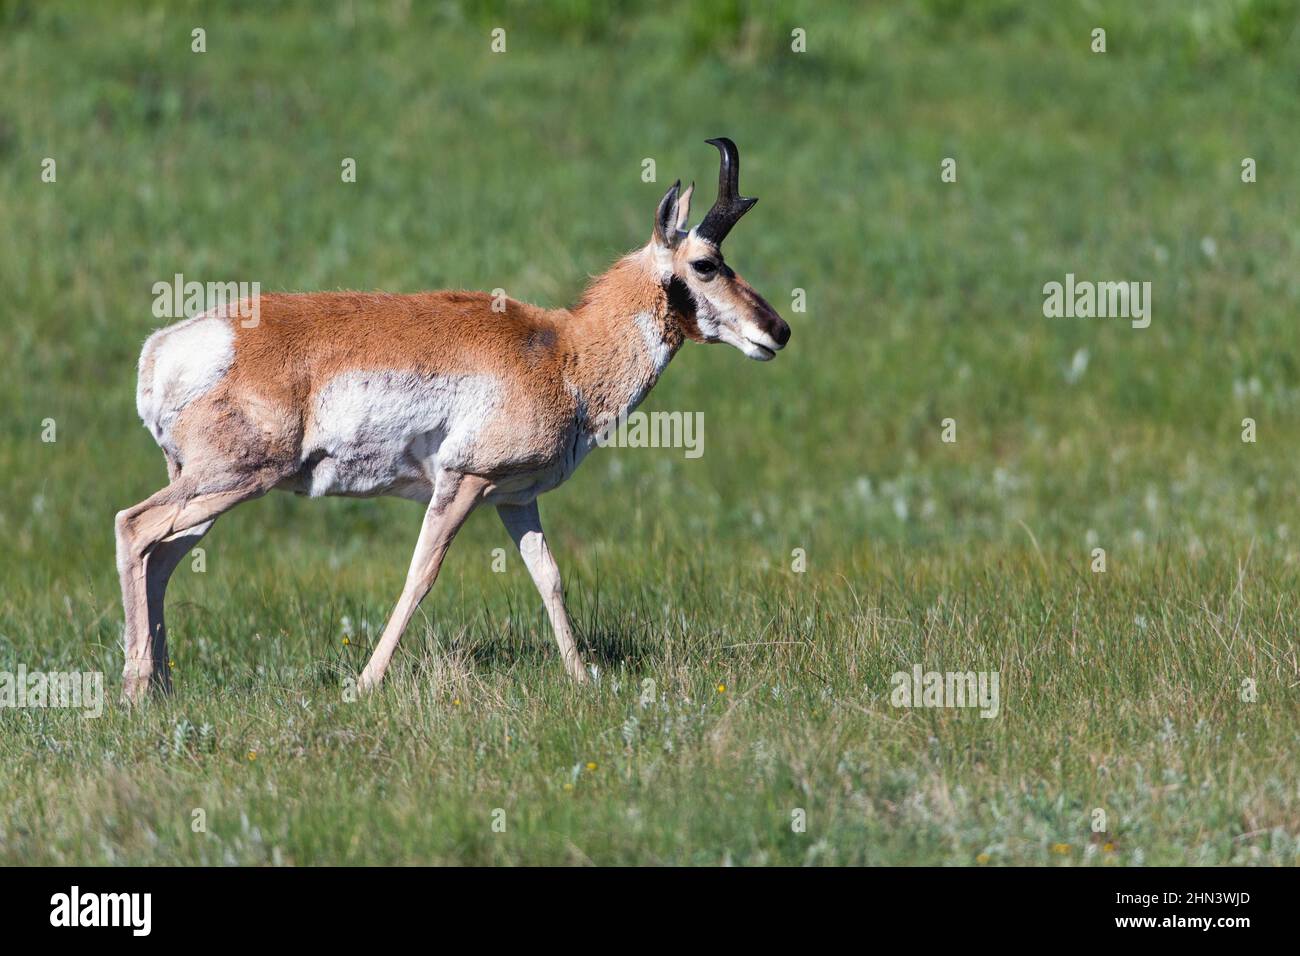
(684, 208)
(666, 217)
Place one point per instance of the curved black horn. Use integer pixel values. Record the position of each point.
(730, 205)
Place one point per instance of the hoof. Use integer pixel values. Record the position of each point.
(135, 691)
(579, 675)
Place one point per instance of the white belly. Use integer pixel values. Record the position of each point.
(390, 433)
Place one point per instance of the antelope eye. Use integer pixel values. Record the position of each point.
(705, 267)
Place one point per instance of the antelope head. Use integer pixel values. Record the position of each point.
(708, 298)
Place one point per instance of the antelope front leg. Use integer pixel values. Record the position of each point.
(525, 527)
(454, 497)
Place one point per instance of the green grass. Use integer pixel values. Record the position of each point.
(1120, 691)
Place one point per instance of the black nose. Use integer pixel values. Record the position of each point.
(781, 333)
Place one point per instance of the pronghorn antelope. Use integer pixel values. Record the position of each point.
(436, 396)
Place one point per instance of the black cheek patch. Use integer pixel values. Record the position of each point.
(680, 299)
(682, 304)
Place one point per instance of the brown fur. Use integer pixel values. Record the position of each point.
(302, 341)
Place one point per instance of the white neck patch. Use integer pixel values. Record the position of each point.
(653, 334)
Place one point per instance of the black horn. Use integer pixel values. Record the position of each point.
(730, 205)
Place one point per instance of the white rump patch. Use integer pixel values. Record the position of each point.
(374, 433)
(188, 359)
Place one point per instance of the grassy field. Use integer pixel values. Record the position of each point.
(1125, 691)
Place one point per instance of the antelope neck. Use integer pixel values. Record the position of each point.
(624, 333)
